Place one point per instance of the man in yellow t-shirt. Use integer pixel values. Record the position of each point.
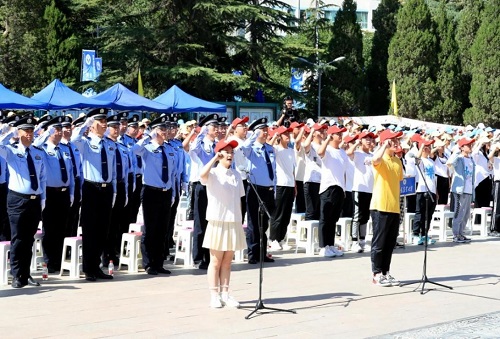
(384, 207)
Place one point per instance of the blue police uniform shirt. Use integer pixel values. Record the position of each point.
(19, 177)
(54, 176)
(127, 165)
(254, 152)
(181, 161)
(77, 157)
(90, 150)
(203, 147)
(152, 157)
(3, 171)
(128, 141)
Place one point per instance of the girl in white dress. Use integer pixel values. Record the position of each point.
(224, 233)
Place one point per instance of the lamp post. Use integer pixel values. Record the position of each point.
(320, 66)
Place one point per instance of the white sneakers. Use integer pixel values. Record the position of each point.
(224, 299)
(330, 252)
(386, 280)
(215, 301)
(275, 246)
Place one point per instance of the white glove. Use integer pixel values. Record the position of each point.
(37, 129)
(204, 130)
(126, 201)
(89, 122)
(15, 133)
(114, 200)
(43, 204)
(153, 134)
(5, 129)
(71, 200)
(51, 130)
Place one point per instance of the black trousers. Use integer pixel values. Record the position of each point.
(118, 225)
(282, 213)
(96, 215)
(331, 202)
(442, 189)
(411, 203)
(361, 215)
(200, 224)
(482, 195)
(300, 201)
(495, 220)
(253, 232)
(134, 200)
(74, 211)
(423, 217)
(24, 216)
(190, 199)
(169, 238)
(311, 195)
(348, 207)
(4, 217)
(156, 210)
(54, 221)
(244, 202)
(385, 235)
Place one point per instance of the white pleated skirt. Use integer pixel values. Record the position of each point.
(224, 236)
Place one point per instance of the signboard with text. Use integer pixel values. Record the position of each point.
(407, 186)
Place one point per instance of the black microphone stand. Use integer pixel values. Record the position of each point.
(425, 279)
(260, 304)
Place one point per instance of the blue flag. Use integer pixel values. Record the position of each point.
(297, 80)
(98, 67)
(88, 65)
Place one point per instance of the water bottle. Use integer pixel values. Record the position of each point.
(45, 272)
(111, 267)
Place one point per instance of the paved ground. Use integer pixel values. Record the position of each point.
(332, 297)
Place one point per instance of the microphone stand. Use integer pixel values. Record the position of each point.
(425, 279)
(260, 304)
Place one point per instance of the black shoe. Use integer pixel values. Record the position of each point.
(51, 269)
(101, 275)
(203, 265)
(151, 271)
(252, 261)
(267, 259)
(90, 277)
(16, 283)
(163, 271)
(32, 282)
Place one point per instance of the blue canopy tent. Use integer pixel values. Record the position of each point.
(180, 101)
(58, 96)
(12, 100)
(123, 99)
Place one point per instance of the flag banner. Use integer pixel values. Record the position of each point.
(88, 65)
(297, 80)
(140, 89)
(394, 101)
(98, 67)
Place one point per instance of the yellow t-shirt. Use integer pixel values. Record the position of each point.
(386, 184)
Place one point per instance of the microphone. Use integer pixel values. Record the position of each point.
(412, 155)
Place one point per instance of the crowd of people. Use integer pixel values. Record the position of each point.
(96, 171)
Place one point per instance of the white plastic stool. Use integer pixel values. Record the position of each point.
(184, 246)
(291, 232)
(136, 227)
(408, 226)
(485, 214)
(37, 249)
(345, 231)
(439, 224)
(74, 265)
(239, 256)
(130, 251)
(307, 236)
(4, 262)
(181, 215)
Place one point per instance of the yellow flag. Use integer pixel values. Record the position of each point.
(140, 90)
(394, 100)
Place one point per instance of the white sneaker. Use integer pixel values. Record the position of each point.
(381, 280)
(336, 251)
(215, 301)
(393, 281)
(356, 247)
(285, 246)
(275, 246)
(326, 252)
(229, 301)
(362, 244)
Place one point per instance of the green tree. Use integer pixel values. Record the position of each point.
(485, 55)
(344, 84)
(413, 61)
(384, 22)
(449, 106)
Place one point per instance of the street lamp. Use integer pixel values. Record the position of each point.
(320, 66)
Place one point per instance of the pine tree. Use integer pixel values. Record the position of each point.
(413, 60)
(485, 54)
(384, 22)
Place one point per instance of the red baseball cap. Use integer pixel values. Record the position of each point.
(238, 121)
(465, 141)
(317, 127)
(350, 138)
(335, 129)
(388, 134)
(282, 129)
(366, 135)
(224, 143)
(296, 124)
(425, 142)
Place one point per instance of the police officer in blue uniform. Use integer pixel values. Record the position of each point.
(119, 216)
(4, 218)
(203, 147)
(26, 196)
(99, 189)
(76, 169)
(157, 192)
(262, 173)
(59, 191)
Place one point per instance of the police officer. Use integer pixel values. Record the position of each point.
(76, 170)
(26, 196)
(99, 189)
(59, 191)
(203, 148)
(157, 192)
(4, 218)
(262, 173)
(119, 218)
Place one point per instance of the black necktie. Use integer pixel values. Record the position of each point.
(32, 170)
(73, 162)
(64, 173)
(119, 166)
(139, 161)
(268, 163)
(104, 162)
(164, 169)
